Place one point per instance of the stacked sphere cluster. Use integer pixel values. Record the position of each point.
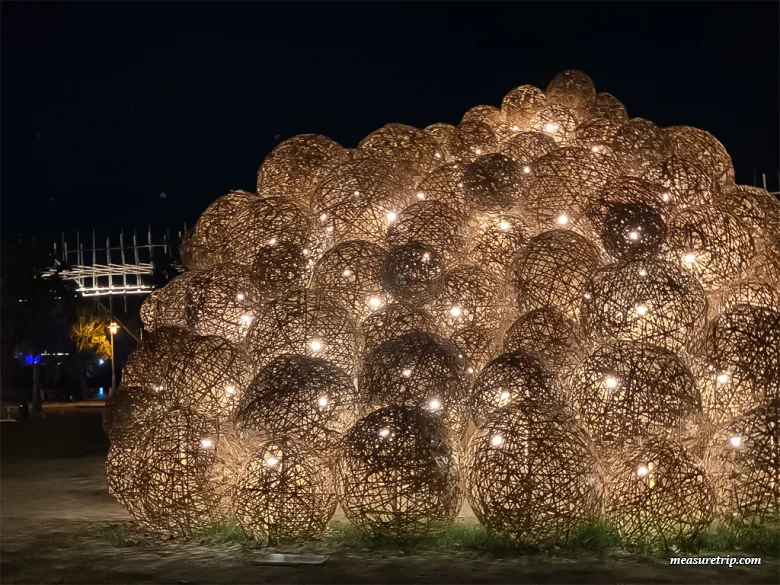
(556, 311)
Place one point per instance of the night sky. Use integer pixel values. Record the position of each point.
(107, 105)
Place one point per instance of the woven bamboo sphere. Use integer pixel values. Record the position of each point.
(725, 393)
(713, 244)
(702, 147)
(208, 375)
(406, 149)
(413, 273)
(167, 306)
(757, 209)
(492, 182)
(684, 182)
(351, 273)
(626, 191)
(471, 297)
(658, 492)
(434, 224)
(422, 370)
(632, 231)
(766, 264)
(490, 115)
(398, 474)
(644, 300)
(445, 185)
(129, 412)
(360, 199)
(596, 135)
(223, 301)
(572, 89)
(555, 121)
(439, 131)
(639, 144)
(509, 379)
(280, 268)
(525, 147)
(494, 239)
(755, 291)
(122, 467)
(283, 492)
(520, 105)
(304, 323)
(609, 107)
(743, 461)
(297, 165)
(548, 335)
(552, 271)
(470, 140)
(393, 320)
(478, 344)
(149, 364)
(302, 398)
(626, 390)
(534, 474)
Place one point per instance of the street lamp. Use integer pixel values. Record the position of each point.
(113, 328)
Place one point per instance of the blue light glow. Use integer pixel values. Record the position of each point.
(101, 392)
(101, 361)
(31, 359)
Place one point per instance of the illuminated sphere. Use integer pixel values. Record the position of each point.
(633, 231)
(766, 263)
(596, 135)
(128, 412)
(626, 191)
(725, 393)
(525, 147)
(445, 185)
(548, 335)
(281, 267)
(223, 301)
(489, 115)
(520, 105)
(283, 492)
(492, 182)
(626, 390)
(149, 363)
(639, 144)
(757, 208)
(122, 467)
(743, 461)
(556, 121)
(702, 147)
(471, 297)
(408, 150)
(509, 379)
(305, 323)
(302, 398)
(432, 223)
(572, 89)
(658, 492)
(351, 272)
(439, 132)
(194, 254)
(478, 345)
(208, 375)
(393, 320)
(684, 183)
(755, 291)
(398, 474)
(167, 306)
(413, 273)
(421, 370)
(470, 140)
(534, 474)
(609, 107)
(297, 165)
(494, 239)
(266, 222)
(713, 244)
(360, 199)
(644, 300)
(552, 271)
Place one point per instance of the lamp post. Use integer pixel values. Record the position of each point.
(113, 328)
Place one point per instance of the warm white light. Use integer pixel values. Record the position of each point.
(392, 216)
(562, 219)
(641, 310)
(595, 149)
(322, 401)
(406, 373)
(642, 471)
(305, 252)
(206, 443)
(437, 155)
(504, 225)
(478, 151)
(723, 378)
(434, 405)
(642, 272)
(158, 388)
(245, 320)
(357, 193)
(633, 236)
(665, 197)
(426, 256)
(587, 296)
(460, 184)
(689, 258)
(324, 217)
(736, 441)
(505, 396)
(497, 440)
(316, 345)
(240, 297)
(611, 382)
(516, 128)
(272, 242)
(384, 432)
(113, 328)
(470, 370)
(526, 170)
(420, 195)
(230, 389)
(455, 311)
(271, 462)
(375, 302)
(550, 127)
(347, 273)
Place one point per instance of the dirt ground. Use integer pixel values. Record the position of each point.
(59, 526)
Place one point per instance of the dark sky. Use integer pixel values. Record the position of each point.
(105, 105)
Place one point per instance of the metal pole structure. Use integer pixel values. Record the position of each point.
(113, 364)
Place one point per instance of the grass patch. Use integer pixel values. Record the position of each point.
(118, 534)
(222, 533)
(759, 540)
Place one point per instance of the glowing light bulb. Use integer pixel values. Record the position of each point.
(240, 297)
(642, 471)
(460, 184)
(206, 443)
(406, 373)
(322, 401)
(316, 345)
(516, 128)
(245, 320)
(158, 388)
(357, 193)
(426, 256)
(611, 382)
(497, 440)
(642, 272)
(735, 441)
(595, 149)
(723, 378)
(420, 195)
(324, 217)
(230, 389)
(562, 219)
(347, 273)
(550, 127)
(526, 169)
(375, 302)
(505, 396)
(665, 197)
(689, 258)
(470, 370)
(272, 462)
(641, 310)
(434, 405)
(305, 252)
(477, 151)
(384, 432)
(392, 216)
(633, 236)
(437, 155)
(272, 242)
(329, 229)
(587, 296)
(504, 225)
(455, 311)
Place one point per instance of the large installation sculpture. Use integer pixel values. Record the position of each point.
(566, 314)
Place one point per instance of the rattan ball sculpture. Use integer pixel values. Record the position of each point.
(633, 231)
(494, 239)
(360, 199)
(520, 105)
(434, 224)
(713, 244)
(351, 273)
(525, 147)
(280, 268)
(471, 139)
(757, 208)
(299, 397)
(223, 301)
(471, 297)
(626, 390)
(638, 144)
(445, 185)
(393, 320)
(626, 191)
(413, 273)
(552, 270)
(534, 474)
(509, 379)
(596, 135)
(557, 121)
(658, 492)
(305, 323)
(398, 474)
(478, 345)
(129, 412)
(572, 89)
(743, 460)
(489, 115)
(755, 291)
(149, 364)
(422, 370)
(297, 165)
(440, 132)
(283, 492)
(702, 147)
(684, 183)
(725, 393)
(122, 466)
(548, 335)
(491, 183)
(167, 306)
(408, 150)
(609, 107)
(644, 300)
